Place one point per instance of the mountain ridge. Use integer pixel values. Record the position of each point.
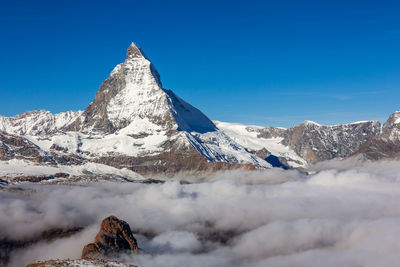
(135, 123)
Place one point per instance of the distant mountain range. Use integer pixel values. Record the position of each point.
(134, 123)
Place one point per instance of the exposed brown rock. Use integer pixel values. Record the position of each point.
(386, 144)
(314, 142)
(170, 164)
(114, 236)
(380, 147)
(18, 147)
(133, 51)
(39, 178)
(267, 132)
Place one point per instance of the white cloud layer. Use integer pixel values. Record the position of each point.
(347, 214)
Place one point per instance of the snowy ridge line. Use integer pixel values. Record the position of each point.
(38, 122)
(134, 121)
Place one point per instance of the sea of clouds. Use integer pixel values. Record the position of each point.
(347, 213)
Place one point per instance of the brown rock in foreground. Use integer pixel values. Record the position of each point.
(115, 236)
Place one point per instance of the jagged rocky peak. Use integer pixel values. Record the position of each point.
(134, 51)
(115, 236)
(392, 121)
(133, 95)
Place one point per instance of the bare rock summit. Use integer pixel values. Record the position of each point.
(115, 236)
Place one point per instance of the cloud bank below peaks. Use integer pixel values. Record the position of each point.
(346, 214)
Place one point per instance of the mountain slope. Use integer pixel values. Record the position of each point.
(134, 123)
(266, 142)
(307, 143)
(134, 92)
(314, 142)
(38, 122)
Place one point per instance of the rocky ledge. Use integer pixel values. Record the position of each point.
(115, 236)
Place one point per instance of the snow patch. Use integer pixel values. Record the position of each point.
(250, 139)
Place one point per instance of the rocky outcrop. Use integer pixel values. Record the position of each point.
(39, 178)
(267, 132)
(171, 163)
(114, 237)
(387, 143)
(18, 147)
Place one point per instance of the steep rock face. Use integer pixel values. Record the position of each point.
(392, 125)
(114, 236)
(387, 143)
(267, 132)
(39, 122)
(314, 142)
(17, 147)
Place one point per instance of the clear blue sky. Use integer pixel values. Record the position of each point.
(258, 62)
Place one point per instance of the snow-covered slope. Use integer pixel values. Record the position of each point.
(39, 122)
(266, 139)
(133, 92)
(22, 168)
(308, 142)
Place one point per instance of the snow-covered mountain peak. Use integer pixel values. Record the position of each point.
(396, 117)
(392, 121)
(132, 92)
(310, 123)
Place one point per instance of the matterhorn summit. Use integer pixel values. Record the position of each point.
(133, 95)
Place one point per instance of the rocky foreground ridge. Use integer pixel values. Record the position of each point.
(114, 237)
(136, 124)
